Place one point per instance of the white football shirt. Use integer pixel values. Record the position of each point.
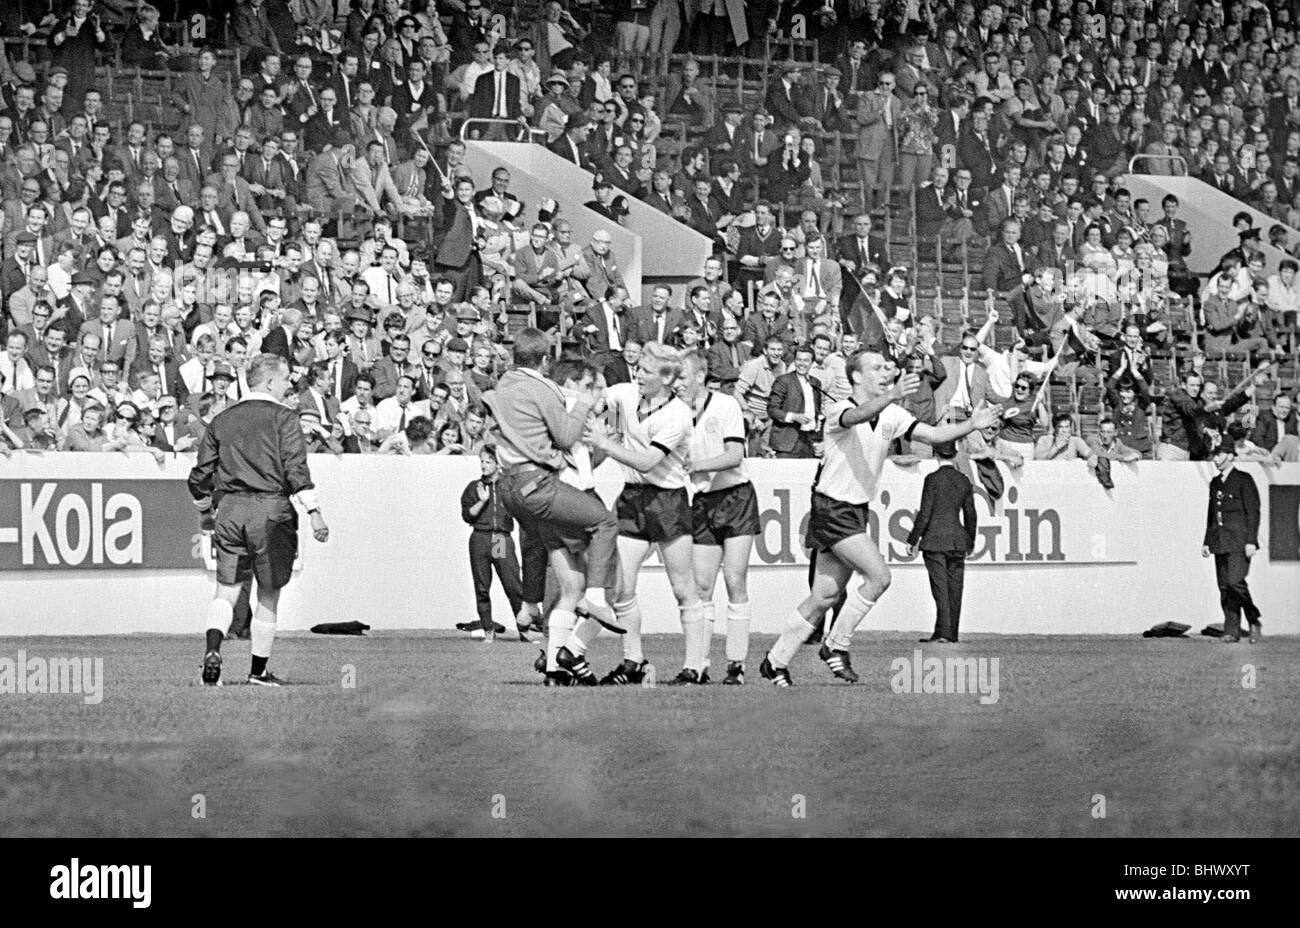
(718, 424)
(668, 428)
(852, 458)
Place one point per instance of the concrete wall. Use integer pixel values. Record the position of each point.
(1058, 554)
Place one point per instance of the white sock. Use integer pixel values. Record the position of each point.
(219, 616)
(738, 615)
(558, 633)
(693, 635)
(584, 636)
(597, 597)
(629, 616)
(709, 612)
(796, 633)
(263, 629)
(855, 610)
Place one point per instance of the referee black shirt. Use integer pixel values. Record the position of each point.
(252, 446)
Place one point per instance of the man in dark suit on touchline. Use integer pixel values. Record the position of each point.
(944, 531)
(794, 417)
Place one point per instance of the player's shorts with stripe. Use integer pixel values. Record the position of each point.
(722, 514)
(255, 534)
(830, 521)
(652, 513)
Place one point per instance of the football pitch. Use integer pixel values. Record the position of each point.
(433, 734)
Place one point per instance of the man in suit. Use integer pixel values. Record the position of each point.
(606, 326)
(944, 531)
(659, 321)
(1232, 536)
(1275, 429)
(569, 145)
(457, 254)
(318, 396)
(795, 406)
(755, 143)
(855, 253)
(599, 257)
(329, 186)
(155, 361)
(878, 115)
(1007, 263)
(497, 95)
(413, 99)
(965, 385)
(975, 151)
(174, 433)
(819, 280)
(785, 97)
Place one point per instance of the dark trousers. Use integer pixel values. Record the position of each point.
(803, 447)
(533, 552)
(1234, 595)
(486, 551)
(947, 572)
(539, 498)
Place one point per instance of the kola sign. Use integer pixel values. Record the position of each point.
(96, 525)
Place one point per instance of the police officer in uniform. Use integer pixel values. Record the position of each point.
(1232, 536)
(252, 460)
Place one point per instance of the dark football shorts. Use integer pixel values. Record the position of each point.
(652, 513)
(722, 514)
(257, 535)
(831, 521)
(556, 537)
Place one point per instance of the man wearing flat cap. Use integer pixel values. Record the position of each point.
(569, 145)
(785, 97)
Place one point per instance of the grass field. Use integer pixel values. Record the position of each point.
(440, 733)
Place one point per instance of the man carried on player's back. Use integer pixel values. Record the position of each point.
(251, 460)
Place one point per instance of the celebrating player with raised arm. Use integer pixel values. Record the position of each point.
(859, 431)
(251, 460)
(724, 512)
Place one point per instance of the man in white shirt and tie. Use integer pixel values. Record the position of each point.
(395, 413)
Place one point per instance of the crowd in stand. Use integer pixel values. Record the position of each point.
(311, 199)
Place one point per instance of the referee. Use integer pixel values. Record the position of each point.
(251, 460)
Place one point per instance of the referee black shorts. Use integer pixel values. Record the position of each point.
(257, 535)
(650, 513)
(722, 514)
(831, 521)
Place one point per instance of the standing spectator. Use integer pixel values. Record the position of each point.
(491, 546)
(878, 116)
(74, 42)
(794, 406)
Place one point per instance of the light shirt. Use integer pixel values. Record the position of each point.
(719, 422)
(668, 428)
(809, 403)
(852, 458)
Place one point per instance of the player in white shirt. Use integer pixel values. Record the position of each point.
(858, 434)
(724, 512)
(654, 507)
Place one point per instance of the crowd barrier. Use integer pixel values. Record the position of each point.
(95, 544)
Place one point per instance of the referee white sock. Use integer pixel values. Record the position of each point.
(796, 633)
(628, 613)
(693, 634)
(855, 610)
(219, 616)
(558, 633)
(738, 615)
(584, 635)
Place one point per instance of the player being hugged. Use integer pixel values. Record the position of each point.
(859, 431)
(251, 462)
(654, 508)
(724, 511)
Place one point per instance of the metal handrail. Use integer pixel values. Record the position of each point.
(532, 133)
(1175, 158)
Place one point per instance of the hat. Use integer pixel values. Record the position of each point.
(791, 67)
(577, 120)
(458, 344)
(79, 372)
(831, 71)
(1248, 235)
(467, 313)
(82, 278)
(25, 73)
(360, 314)
(222, 369)
(547, 209)
(557, 77)
(492, 204)
(25, 238)
(55, 71)
(733, 107)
